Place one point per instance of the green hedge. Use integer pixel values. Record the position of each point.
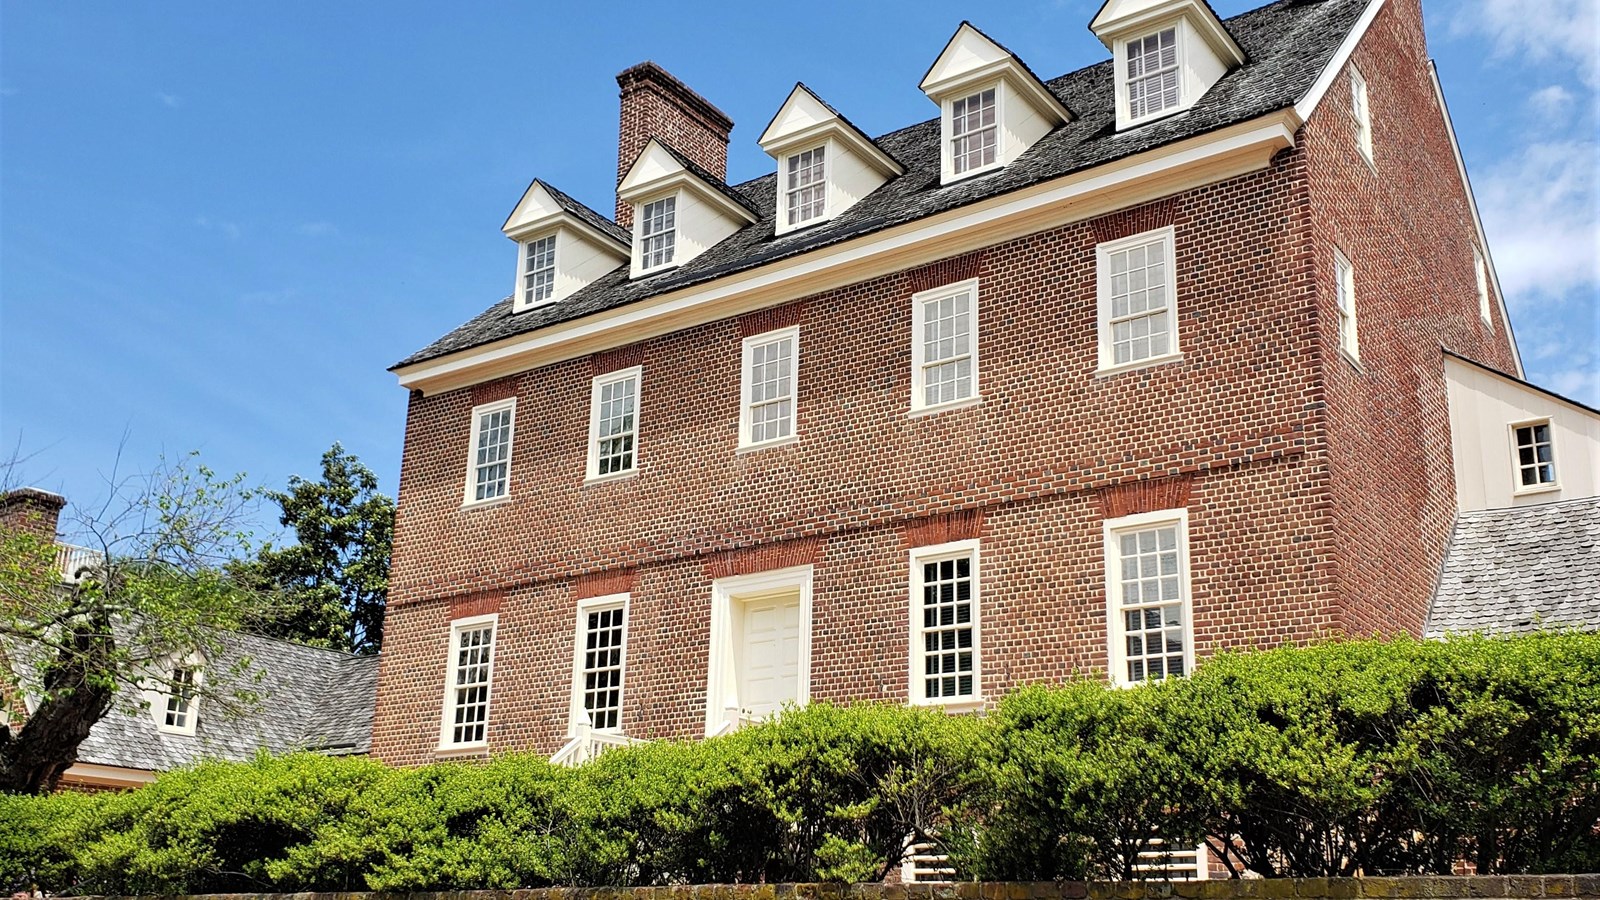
(1357, 757)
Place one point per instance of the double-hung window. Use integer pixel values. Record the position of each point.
(597, 668)
(1345, 300)
(614, 424)
(1137, 288)
(974, 138)
(180, 700)
(944, 347)
(767, 410)
(489, 460)
(1536, 459)
(538, 270)
(1152, 74)
(1480, 272)
(944, 624)
(658, 233)
(1147, 590)
(467, 680)
(1361, 111)
(806, 192)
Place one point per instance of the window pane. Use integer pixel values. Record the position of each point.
(947, 641)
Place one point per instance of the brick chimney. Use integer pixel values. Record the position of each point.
(656, 105)
(31, 510)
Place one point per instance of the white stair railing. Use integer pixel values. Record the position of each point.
(72, 562)
(589, 745)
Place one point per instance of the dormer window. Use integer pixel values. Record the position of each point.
(1152, 74)
(182, 701)
(658, 229)
(539, 270)
(972, 132)
(174, 697)
(807, 191)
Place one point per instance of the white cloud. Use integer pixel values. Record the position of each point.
(171, 100)
(229, 230)
(1542, 211)
(1565, 32)
(1551, 102)
(317, 229)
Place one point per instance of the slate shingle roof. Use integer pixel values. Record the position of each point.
(588, 216)
(1521, 569)
(310, 699)
(1286, 44)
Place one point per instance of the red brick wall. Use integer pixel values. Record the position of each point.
(1033, 470)
(1406, 227)
(657, 105)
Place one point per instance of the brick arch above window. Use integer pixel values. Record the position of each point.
(1139, 219)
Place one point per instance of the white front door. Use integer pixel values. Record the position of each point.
(769, 673)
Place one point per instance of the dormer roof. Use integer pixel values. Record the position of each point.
(971, 57)
(659, 167)
(1122, 18)
(805, 118)
(543, 206)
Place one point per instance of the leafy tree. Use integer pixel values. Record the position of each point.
(335, 580)
(155, 593)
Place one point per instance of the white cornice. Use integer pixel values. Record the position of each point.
(1226, 153)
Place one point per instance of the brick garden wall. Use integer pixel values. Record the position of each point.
(1516, 887)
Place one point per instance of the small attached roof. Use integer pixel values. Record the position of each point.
(543, 205)
(970, 55)
(1118, 17)
(804, 115)
(659, 165)
(1526, 568)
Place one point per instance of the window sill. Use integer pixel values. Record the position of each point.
(947, 177)
(501, 500)
(953, 707)
(789, 441)
(609, 477)
(1108, 371)
(175, 732)
(658, 270)
(454, 751)
(1353, 360)
(918, 412)
(1536, 490)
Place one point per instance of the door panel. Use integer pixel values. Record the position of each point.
(771, 657)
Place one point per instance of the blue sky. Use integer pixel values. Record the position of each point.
(220, 223)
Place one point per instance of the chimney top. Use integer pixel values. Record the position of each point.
(31, 510)
(657, 106)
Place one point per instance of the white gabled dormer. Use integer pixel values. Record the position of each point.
(991, 107)
(1168, 53)
(679, 211)
(562, 246)
(825, 164)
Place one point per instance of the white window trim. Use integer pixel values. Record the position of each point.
(827, 187)
(1116, 643)
(639, 267)
(1102, 265)
(592, 472)
(521, 303)
(467, 498)
(1344, 280)
(746, 359)
(1361, 111)
(1480, 274)
(719, 665)
(916, 690)
(1517, 487)
(159, 698)
(576, 714)
(1120, 63)
(947, 162)
(447, 706)
(919, 404)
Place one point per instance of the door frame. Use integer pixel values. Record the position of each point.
(721, 679)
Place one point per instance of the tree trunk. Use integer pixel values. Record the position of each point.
(78, 692)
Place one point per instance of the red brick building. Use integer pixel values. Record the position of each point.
(1101, 374)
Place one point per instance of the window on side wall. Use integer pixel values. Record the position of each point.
(1147, 593)
(614, 424)
(1535, 456)
(489, 458)
(467, 682)
(944, 624)
(1480, 272)
(1362, 111)
(1137, 288)
(599, 662)
(944, 345)
(1345, 300)
(767, 405)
